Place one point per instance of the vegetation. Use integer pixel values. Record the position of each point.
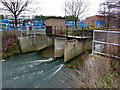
(10, 46)
(41, 17)
(110, 10)
(15, 7)
(109, 80)
(97, 72)
(1, 17)
(70, 18)
(76, 9)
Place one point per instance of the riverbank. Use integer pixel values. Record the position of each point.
(38, 71)
(10, 44)
(96, 73)
(99, 72)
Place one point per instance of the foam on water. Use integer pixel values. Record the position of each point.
(42, 61)
(3, 60)
(57, 69)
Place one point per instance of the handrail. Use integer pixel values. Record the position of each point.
(109, 41)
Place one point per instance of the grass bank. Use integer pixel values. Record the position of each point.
(97, 72)
(10, 44)
(108, 80)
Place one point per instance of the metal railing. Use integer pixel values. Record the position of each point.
(107, 42)
(68, 32)
(26, 31)
(51, 30)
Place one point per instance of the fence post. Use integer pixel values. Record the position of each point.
(108, 37)
(66, 32)
(93, 44)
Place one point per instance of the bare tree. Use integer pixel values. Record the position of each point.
(15, 7)
(76, 9)
(117, 12)
(110, 9)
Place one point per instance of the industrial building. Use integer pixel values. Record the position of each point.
(101, 21)
(95, 21)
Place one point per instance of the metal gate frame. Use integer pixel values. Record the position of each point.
(117, 31)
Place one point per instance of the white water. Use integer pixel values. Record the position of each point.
(31, 70)
(42, 61)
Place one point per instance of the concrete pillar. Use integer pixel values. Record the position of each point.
(59, 44)
(75, 47)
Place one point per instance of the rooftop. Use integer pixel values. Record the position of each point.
(55, 17)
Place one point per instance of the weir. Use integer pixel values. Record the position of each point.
(63, 46)
(70, 48)
(75, 47)
(59, 46)
(40, 42)
(67, 42)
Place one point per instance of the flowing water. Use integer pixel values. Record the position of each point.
(34, 70)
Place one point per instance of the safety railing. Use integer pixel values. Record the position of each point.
(107, 42)
(68, 32)
(26, 31)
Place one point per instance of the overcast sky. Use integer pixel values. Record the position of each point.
(56, 7)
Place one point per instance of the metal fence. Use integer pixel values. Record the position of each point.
(68, 32)
(25, 31)
(107, 42)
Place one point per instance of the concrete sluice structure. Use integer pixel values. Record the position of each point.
(40, 42)
(75, 47)
(67, 43)
(62, 47)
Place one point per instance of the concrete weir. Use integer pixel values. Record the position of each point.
(28, 44)
(59, 46)
(62, 47)
(70, 48)
(75, 47)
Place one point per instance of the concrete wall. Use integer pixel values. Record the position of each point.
(40, 42)
(59, 44)
(74, 47)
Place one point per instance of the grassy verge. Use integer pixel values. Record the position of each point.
(10, 44)
(108, 80)
(97, 72)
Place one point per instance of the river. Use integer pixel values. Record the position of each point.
(39, 70)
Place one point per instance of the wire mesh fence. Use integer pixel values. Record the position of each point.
(107, 42)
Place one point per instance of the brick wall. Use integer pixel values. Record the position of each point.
(91, 21)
